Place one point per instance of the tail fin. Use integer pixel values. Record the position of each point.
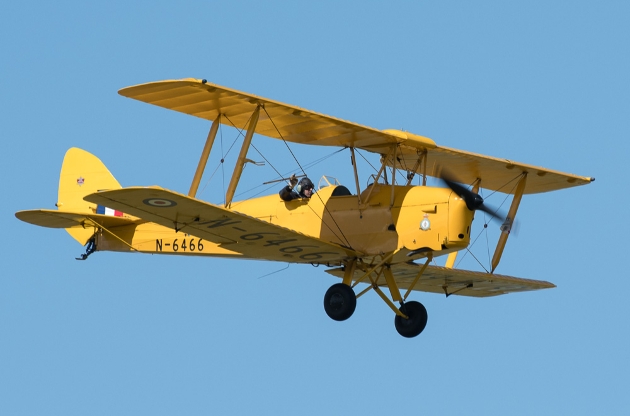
(82, 173)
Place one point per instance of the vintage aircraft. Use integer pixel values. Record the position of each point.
(375, 236)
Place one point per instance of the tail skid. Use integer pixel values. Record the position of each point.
(89, 248)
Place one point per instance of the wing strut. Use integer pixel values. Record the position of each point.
(391, 202)
(413, 284)
(204, 157)
(385, 269)
(509, 220)
(450, 260)
(378, 175)
(422, 157)
(240, 162)
(356, 175)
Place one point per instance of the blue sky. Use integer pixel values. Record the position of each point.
(545, 83)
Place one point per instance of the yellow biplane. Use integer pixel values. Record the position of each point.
(385, 235)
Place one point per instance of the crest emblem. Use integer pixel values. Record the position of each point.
(425, 224)
(80, 180)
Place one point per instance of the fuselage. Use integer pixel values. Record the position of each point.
(403, 219)
(410, 221)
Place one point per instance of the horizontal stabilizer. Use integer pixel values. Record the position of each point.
(454, 281)
(61, 219)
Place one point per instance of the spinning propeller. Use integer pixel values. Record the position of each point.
(473, 200)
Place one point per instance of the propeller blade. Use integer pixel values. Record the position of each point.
(473, 200)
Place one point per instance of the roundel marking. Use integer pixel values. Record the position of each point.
(159, 202)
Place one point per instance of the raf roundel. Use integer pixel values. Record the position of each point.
(159, 202)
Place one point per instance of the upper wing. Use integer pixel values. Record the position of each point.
(250, 236)
(453, 281)
(61, 219)
(205, 100)
(202, 99)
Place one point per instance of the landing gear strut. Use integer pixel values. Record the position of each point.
(89, 248)
(340, 302)
(418, 317)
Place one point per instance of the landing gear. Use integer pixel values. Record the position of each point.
(418, 317)
(340, 302)
(89, 248)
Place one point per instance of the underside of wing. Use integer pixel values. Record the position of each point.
(447, 281)
(237, 232)
(61, 219)
(278, 120)
(495, 174)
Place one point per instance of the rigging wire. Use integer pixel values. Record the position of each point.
(252, 145)
(304, 172)
(224, 156)
(283, 176)
(367, 161)
(261, 155)
(277, 271)
(486, 222)
(472, 244)
(399, 171)
(284, 141)
(264, 189)
(240, 130)
(506, 184)
(240, 133)
(472, 254)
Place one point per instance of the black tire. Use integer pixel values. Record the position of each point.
(413, 326)
(340, 302)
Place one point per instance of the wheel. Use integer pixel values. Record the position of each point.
(340, 302)
(413, 326)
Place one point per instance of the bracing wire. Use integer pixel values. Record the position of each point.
(223, 156)
(277, 271)
(472, 254)
(284, 175)
(367, 161)
(506, 184)
(486, 222)
(240, 133)
(304, 172)
(284, 141)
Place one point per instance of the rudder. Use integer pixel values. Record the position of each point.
(82, 173)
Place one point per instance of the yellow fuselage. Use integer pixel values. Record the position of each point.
(420, 220)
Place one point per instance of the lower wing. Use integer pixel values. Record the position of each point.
(453, 281)
(237, 232)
